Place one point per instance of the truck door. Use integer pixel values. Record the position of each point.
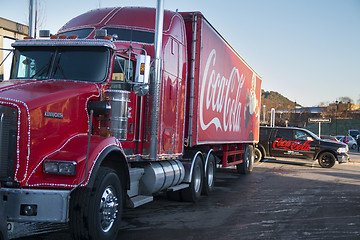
(293, 143)
(280, 142)
(172, 93)
(306, 145)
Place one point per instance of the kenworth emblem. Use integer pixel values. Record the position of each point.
(53, 115)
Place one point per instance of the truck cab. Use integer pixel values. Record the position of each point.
(299, 143)
(92, 120)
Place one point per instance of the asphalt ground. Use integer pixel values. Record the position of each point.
(281, 199)
(354, 156)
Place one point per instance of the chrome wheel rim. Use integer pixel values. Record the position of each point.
(197, 178)
(210, 173)
(108, 208)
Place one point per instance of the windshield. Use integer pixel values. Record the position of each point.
(131, 35)
(313, 135)
(69, 63)
(81, 33)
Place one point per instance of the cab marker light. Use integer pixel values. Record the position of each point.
(73, 37)
(60, 167)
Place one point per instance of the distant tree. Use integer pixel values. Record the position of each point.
(345, 100)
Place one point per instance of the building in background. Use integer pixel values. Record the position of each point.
(9, 32)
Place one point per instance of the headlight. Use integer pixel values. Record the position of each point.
(342, 149)
(60, 167)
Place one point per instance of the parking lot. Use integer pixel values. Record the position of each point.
(281, 199)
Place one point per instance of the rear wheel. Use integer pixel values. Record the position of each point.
(258, 155)
(193, 192)
(96, 213)
(248, 156)
(326, 160)
(209, 176)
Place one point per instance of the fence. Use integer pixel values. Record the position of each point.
(336, 127)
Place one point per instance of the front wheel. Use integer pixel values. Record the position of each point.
(248, 160)
(326, 160)
(96, 213)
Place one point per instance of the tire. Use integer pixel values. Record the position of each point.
(90, 216)
(193, 192)
(248, 157)
(326, 160)
(258, 155)
(209, 176)
(353, 146)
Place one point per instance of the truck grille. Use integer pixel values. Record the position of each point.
(8, 131)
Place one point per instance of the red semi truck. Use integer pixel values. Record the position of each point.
(78, 121)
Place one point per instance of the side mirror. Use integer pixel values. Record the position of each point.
(142, 75)
(142, 69)
(310, 139)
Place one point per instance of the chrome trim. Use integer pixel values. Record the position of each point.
(156, 86)
(64, 42)
(192, 81)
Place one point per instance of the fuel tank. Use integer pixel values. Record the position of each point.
(162, 175)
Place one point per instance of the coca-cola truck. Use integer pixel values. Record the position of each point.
(87, 130)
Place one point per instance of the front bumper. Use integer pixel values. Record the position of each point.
(3, 228)
(36, 205)
(343, 158)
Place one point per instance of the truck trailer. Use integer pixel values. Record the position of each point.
(78, 121)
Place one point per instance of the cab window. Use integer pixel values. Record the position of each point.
(264, 132)
(123, 73)
(300, 135)
(285, 133)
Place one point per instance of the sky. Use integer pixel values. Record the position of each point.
(307, 50)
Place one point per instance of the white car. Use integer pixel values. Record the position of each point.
(352, 142)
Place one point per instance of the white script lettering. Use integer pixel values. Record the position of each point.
(221, 96)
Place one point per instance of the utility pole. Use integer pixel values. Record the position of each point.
(264, 116)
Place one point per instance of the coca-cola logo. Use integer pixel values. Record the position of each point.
(296, 145)
(220, 103)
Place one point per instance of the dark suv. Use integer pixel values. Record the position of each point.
(300, 143)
